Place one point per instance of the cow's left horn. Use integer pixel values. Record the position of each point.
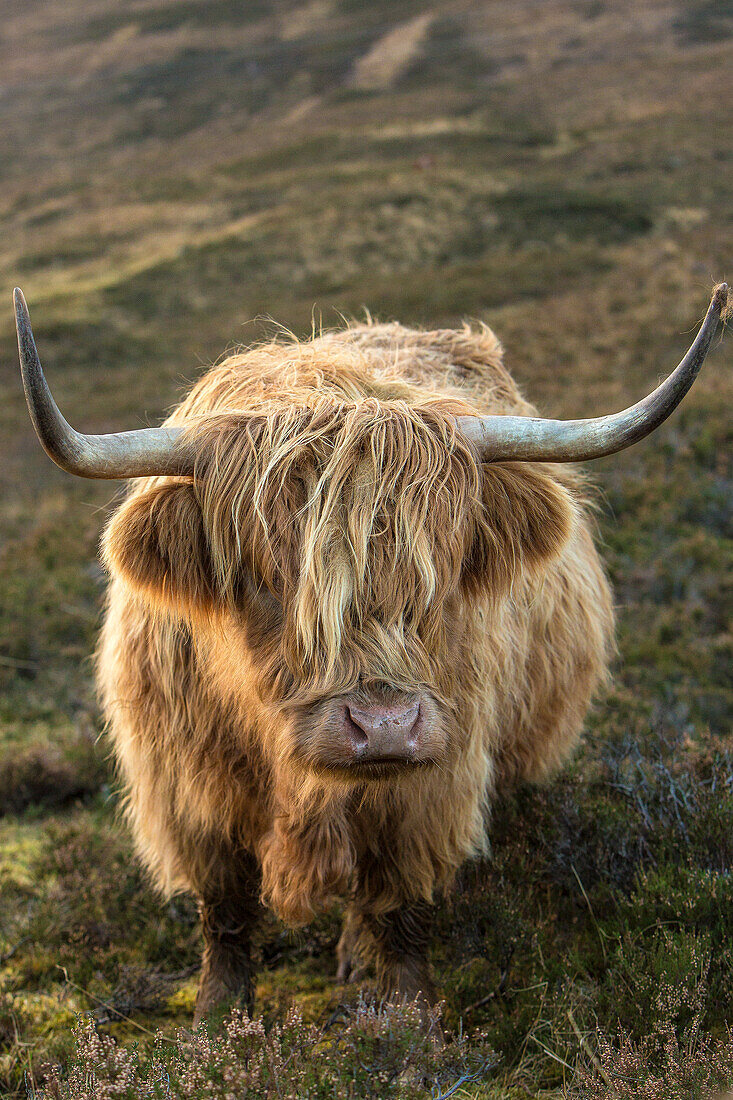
(532, 439)
(142, 453)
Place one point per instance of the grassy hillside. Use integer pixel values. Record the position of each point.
(172, 170)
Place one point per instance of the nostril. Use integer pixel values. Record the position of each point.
(410, 717)
(357, 734)
(378, 719)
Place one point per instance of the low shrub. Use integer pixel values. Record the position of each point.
(382, 1051)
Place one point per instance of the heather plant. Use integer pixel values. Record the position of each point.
(665, 1066)
(661, 1049)
(382, 1051)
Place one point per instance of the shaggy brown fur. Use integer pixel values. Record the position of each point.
(337, 542)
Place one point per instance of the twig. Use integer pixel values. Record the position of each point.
(498, 992)
(10, 662)
(551, 1053)
(461, 1081)
(111, 1008)
(9, 954)
(586, 1047)
(590, 910)
(481, 1002)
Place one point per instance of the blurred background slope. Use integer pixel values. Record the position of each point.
(561, 170)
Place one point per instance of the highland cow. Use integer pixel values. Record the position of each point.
(354, 593)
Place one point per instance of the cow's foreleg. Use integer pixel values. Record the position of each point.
(397, 944)
(228, 917)
(350, 963)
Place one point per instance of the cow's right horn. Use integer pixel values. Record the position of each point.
(535, 439)
(142, 453)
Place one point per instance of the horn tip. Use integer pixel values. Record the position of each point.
(720, 296)
(19, 300)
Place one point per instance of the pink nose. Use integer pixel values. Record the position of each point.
(383, 731)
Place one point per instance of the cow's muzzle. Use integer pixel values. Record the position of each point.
(382, 733)
(364, 736)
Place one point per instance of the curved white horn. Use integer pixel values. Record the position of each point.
(142, 453)
(533, 439)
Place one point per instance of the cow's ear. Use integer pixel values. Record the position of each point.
(157, 543)
(525, 520)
